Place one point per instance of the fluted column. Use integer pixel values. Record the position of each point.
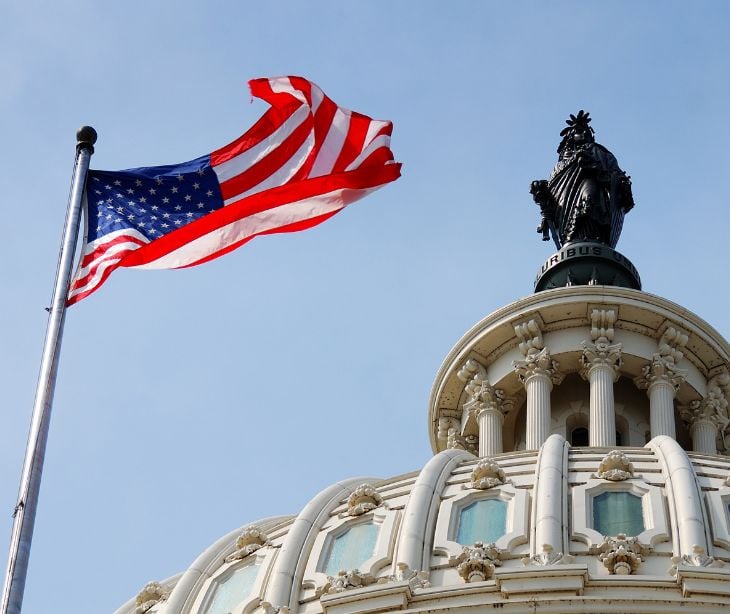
(486, 404)
(538, 372)
(661, 378)
(601, 363)
(704, 435)
(490, 431)
(705, 416)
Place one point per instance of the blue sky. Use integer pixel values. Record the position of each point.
(192, 402)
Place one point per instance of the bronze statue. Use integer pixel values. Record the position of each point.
(587, 194)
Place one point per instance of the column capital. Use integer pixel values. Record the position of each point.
(661, 370)
(538, 364)
(601, 354)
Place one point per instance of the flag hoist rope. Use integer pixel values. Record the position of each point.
(30, 480)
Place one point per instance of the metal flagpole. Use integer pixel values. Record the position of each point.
(30, 480)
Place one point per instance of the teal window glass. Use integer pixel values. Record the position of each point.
(352, 548)
(618, 512)
(482, 521)
(231, 591)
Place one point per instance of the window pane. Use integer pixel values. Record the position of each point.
(233, 590)
(618, 512)
(482, 521)
(351, 549)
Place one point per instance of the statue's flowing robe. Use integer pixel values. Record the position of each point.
(592, 194)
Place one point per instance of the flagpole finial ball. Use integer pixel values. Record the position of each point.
(86, 137)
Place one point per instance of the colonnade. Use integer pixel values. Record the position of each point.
(600, 365)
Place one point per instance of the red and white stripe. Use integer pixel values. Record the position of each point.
(303, 161)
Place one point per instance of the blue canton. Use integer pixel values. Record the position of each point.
(153, 201)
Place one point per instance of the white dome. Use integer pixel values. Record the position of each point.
(493, 520)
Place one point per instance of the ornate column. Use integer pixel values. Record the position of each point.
(487, 404)
(601, 362)
(662, 378)
(537, 372)
(706, 416)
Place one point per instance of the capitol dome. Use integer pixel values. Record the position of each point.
(580, 438)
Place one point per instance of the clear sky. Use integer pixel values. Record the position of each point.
(193, 402)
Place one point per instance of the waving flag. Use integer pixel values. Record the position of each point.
(303, 161)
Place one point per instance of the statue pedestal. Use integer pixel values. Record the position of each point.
(587, 264)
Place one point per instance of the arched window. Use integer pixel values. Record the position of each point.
(352, 548)
(618, 512)
(232, 590)
(579, 437)
(482, 521)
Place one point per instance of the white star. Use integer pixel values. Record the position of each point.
(201, 172)
(107, 187)
(120, 209)
(200, 205)
(142, 210)
(117, 183)
(196, 186)
(152, 231)
(174, 190)
(178, 222)
(166, 215)
(209, 193)
(130, 217)
(97, 191)
(153, 191)
(99, 213)
(119, 195)
(138, 183)
(178, 207)
(165, 200)
(154, 217)
(158, 180)
(180, 178)
(131, 202)
(165, 225)
(188, 198)
(109, 216)
(130, 191)
(96, 179)
(141, 224)
(100, 202)
(110, 201)
(118, 220)
(189, 214)
(155, 207)
(143, 199)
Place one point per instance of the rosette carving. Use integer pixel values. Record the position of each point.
(621, 555)
(151, 594)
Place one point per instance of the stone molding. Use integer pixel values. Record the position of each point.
(698, 558)
(663, 366)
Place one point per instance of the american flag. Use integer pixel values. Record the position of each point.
(303, 161)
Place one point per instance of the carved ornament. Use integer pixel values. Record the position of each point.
(660, 369)
(621, 555)
(698, 558)
(486, 474)
(344, 581)
(615, 467)
(547, 557)
(476, 563)
(363, 499)
(538, 364)
(455, 441)
(151, 594)
(249, 541)
(403, 573)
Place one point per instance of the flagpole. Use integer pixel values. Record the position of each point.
(30, 480)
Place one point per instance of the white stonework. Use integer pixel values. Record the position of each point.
(507, 402)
